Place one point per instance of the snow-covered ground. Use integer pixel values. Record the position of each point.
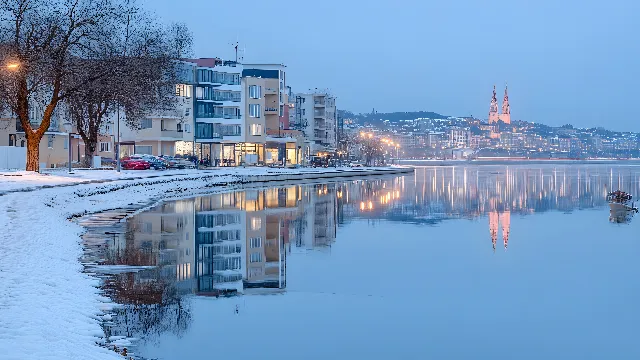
(49, 308)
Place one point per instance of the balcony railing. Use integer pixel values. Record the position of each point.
(217, 116)
(220, 97)
(172, 133)
(270, 91)
(270, 109)
(34, 125)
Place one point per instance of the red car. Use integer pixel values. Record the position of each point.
(135, 165)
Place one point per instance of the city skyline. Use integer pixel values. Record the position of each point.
(556, 72)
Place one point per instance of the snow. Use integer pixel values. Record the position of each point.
(49, 307)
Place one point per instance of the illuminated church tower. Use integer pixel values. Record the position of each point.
(505, 116)
(493, 108)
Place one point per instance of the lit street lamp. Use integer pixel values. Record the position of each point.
(67, 127)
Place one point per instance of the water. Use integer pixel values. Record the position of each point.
(448, 263)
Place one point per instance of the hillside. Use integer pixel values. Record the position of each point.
(392, 116)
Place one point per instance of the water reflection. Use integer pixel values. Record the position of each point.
(239, 243)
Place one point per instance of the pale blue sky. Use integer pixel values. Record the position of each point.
(566, 61)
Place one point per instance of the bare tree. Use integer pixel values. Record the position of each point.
(41, 41)
(142, 75)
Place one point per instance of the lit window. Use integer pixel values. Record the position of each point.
(256, 223)
(256, 129)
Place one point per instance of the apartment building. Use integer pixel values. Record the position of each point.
(168, 132)
(218, 110)
(316, 115)
(267, 100)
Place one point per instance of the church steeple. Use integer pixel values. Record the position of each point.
(493, 108)
(505, 115)
(506, 109)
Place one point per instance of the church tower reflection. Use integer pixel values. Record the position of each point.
(496, 219)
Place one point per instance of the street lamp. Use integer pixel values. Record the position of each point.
(13, 66)
(67, 127)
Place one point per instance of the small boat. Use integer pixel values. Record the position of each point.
(619, 196)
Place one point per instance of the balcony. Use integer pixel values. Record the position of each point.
(171, 134)
(270, 91)
(223, 97)
(319, 103)
(271, 110)
(53, 127)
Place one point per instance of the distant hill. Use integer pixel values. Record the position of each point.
(392, 116)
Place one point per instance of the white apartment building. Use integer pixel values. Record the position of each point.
(218, 107)
(316, 116)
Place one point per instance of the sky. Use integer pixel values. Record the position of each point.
(565, 61)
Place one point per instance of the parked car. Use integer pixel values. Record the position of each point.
(135, 164)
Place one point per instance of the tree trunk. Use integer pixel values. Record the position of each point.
(89, 152)
(33, 152)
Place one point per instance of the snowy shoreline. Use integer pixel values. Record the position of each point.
(48, 306)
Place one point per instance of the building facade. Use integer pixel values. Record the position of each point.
(218, 116)
(316, 116)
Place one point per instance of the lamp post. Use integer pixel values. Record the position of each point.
(67, 127)
(117, 153)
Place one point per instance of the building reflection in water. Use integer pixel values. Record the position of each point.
(239, 243)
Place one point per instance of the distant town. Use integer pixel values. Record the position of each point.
(428, 135)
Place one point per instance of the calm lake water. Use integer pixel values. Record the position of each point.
(485, 262)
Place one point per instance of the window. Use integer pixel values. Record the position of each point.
(146, 228)
(50, 141)
(254, 110)
(303, 112)
(256, 223)
(204, 131)
(107, 129)
(183, 90)
(146, 124)
(256, 257)
(231, 130)
(256, 129)
(281, 110)
(255, 91)
(187, 128)
(105, 147)
(255, 242)
(146, 149)
(66, 142)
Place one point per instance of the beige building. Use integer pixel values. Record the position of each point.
(168, 133)
(54, 145)
(267, 105)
